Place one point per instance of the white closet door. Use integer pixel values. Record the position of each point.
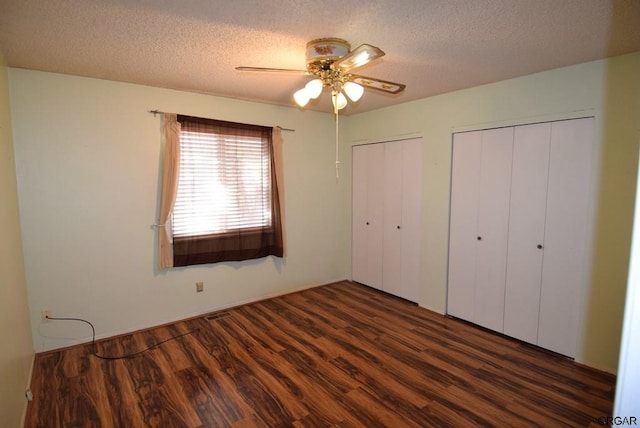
(564, 266)
(411, 223)
(402, 218)
(367, 214)
(526, 230)
(359, 213)
(465, 181)
(392, 236)
(493, 227)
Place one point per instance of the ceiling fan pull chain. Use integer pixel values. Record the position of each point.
(334, 95)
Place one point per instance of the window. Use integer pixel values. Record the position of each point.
(224, 184)
(227, 204)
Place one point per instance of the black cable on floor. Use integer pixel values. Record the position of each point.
(121, 357)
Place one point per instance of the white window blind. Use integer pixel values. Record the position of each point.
(224, 184)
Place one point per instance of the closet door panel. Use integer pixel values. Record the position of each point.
(467, 150)
(367, 215)
(392, 236)
(411, 218)
(493, 224)
(359, 214)
(375, 180)
(526, 230)
(564, 266)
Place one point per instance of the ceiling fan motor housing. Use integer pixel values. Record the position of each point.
(326, 50)
(321, 53)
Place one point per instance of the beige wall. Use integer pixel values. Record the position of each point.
(16, 351)
(607, 89)
(87, 158)
(87, 155)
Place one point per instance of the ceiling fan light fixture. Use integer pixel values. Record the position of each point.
(314, 88)
(339, 100)
(353, 91)
(302, 97)
(329, 61)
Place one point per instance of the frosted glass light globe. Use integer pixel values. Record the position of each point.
(353, 91)
(301, 97)
(314, 88)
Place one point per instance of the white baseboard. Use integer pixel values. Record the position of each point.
(74, 342)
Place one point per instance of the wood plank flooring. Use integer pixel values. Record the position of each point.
(340, 355)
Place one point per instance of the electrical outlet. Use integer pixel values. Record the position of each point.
(199, 286)
(46, 314)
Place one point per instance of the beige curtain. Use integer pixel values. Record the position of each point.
(278, 162)
(170, 172)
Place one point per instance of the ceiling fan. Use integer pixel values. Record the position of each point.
(330, 60)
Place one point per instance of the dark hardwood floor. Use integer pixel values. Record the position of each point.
(337, 355)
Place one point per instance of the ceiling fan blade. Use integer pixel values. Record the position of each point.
(273, 70)
(358, 57)
(378, 84)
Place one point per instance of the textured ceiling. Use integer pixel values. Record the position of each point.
(433, 46)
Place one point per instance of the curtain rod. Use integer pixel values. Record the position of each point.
(156, 112)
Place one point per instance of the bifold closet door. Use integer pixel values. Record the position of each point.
(411, 218)
(463, 219)
(564, 271)
(392, 235)
(524, 194)
(479, 225)
(493, 227)
(402, 218)
(367, 214)
(526, 230)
